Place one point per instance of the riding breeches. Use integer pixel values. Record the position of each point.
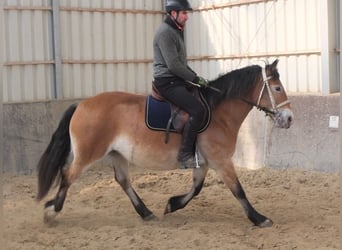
(177, 93)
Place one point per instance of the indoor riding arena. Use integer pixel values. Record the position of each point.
(60, 52)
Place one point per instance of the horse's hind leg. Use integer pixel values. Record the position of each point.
(231, 180)
(180, 201)
(121, 176)
(54, 206)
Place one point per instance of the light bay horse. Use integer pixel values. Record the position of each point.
(112, 124)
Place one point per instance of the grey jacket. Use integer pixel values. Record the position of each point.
(169, 54)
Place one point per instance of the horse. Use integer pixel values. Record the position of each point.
(112, 124)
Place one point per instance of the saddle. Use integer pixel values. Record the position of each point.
(161, 115)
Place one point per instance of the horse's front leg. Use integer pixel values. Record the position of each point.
(180, 201)
(229, 177)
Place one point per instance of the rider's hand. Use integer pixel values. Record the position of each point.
(202, 81)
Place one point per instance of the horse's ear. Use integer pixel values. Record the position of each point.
(274, 64)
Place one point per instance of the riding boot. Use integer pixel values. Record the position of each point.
(186, 155)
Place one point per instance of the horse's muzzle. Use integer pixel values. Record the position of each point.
(283, 118)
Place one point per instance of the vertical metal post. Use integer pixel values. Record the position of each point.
(328, 43)
(56, 46)
(340, 20)
(339, 28)
(2, 59)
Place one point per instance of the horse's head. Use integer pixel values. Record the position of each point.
(259, 87)
(271, 97)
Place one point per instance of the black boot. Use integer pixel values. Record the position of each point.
(186, 155)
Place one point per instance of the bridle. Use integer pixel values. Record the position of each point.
(266, 85)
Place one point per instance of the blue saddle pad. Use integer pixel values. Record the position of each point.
(157, 114)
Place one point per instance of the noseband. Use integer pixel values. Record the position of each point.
(266, 85)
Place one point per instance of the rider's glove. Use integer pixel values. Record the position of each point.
(202, 81)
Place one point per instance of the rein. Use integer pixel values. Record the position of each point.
(266, 85)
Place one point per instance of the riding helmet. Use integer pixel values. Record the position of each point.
(177, 5)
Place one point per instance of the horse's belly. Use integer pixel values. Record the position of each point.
(146, 154)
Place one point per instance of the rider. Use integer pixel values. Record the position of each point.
(171, 75)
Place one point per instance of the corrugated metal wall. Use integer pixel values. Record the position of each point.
(27, 51)
(107, 44)
(237, 33)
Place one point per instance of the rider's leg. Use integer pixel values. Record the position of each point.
(186, 154)
(177, 93)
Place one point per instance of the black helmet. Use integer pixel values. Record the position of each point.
(177, 5)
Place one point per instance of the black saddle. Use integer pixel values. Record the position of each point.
(161, 115)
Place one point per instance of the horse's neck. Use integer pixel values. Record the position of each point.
(233, 113)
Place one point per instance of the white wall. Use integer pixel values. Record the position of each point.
(225, 35)
(107, 44)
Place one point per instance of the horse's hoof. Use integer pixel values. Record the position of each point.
(49, 215)
(150, 217)
(266, 223)
(167, 209)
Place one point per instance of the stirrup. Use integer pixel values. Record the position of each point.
(193, 162)
(189, 164)
(197, 160)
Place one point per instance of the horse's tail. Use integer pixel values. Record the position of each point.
(55, 156)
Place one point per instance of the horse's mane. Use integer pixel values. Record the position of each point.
(234, 84)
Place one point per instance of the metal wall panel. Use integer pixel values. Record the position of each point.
(107, 45)
(27, 51)
(240, 33)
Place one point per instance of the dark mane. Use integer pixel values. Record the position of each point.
(237, 83)
(233, 84)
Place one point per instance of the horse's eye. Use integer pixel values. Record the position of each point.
(277, 88)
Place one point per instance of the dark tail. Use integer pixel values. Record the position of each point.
(55, 156)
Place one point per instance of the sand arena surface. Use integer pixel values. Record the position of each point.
(304, 206)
